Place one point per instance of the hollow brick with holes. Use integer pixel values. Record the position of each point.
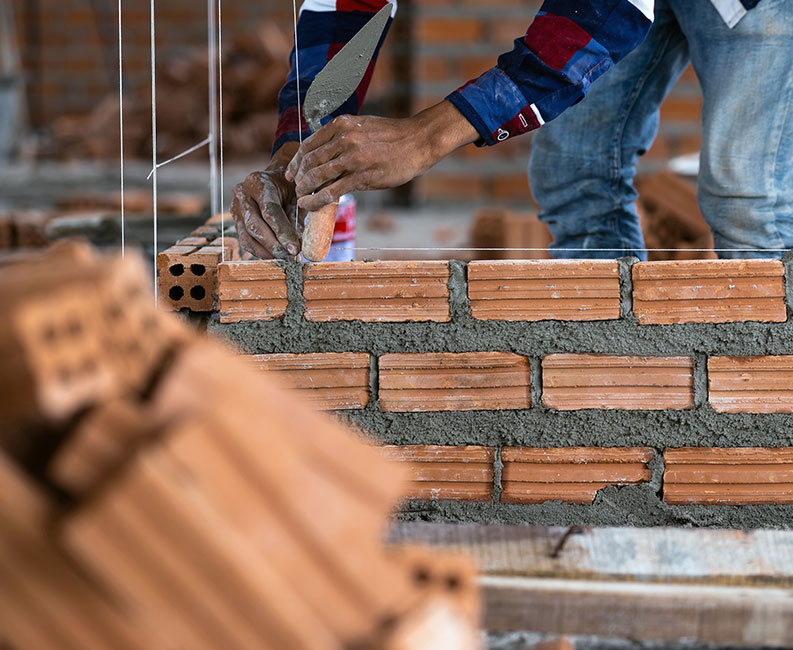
(187, 276)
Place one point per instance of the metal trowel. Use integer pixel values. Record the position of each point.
(333, 86)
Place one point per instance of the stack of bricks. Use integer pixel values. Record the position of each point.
(546, 391)
(173, 458)
(187, 272)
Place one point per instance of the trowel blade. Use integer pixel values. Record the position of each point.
(341, 75)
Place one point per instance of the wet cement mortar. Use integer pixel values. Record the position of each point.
(640, 505)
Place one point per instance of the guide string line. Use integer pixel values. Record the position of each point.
(575, 250)
(297, 83)
(154, 140)
(121, 124)
(187, 152)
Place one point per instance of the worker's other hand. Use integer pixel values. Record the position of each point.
(263, 207)
(371, 153)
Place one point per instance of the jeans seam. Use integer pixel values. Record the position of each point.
(779, 135)
(616, 161)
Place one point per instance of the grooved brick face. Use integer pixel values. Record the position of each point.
(736, 476)
(544, 290)
(377, 292)
(572, 475)
(590, 381)
(330, 381)
(250, 291)
(441, 472)
(454, 382)
(751, 384)
(709, 291)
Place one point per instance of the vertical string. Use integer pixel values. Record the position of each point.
(121, 124)
(154, 141)
(213, 107)
(297, 82)
(220, 143)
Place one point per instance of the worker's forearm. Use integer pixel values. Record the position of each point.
(444, 128)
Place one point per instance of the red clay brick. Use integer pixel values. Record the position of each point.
(591, 381)
(377, 292)
(751, 384)
(544, 290)
(572, 475)
(709, 291)
(736, 476)
(440, 472)
(187, 273)
(250, 291)
(329, 380)
(454, 382)
(439, 29)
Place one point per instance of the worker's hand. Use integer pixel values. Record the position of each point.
(371, 153)
(263, 207)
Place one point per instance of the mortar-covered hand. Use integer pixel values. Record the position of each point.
(371, 153)
(263, 207)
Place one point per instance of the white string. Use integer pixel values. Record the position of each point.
(213, 107)
(581, 250)
(297, 81)
(154, 141)
(220, 143)
(187, 152)
(121, 124)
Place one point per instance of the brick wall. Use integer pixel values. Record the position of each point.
(546, 392)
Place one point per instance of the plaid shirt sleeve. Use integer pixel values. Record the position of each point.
(569, 45)
(323, 29)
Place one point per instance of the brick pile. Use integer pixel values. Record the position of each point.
(538, 382)
(172, 458)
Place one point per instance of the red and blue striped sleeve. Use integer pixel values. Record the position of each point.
(567, 47)
(324, 27)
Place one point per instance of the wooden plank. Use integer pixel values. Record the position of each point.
(744, 617)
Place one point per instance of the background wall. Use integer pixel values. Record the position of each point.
(69, 50)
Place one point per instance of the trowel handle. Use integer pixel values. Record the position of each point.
(318, 232)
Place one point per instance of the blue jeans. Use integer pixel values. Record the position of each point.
(583, 163)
